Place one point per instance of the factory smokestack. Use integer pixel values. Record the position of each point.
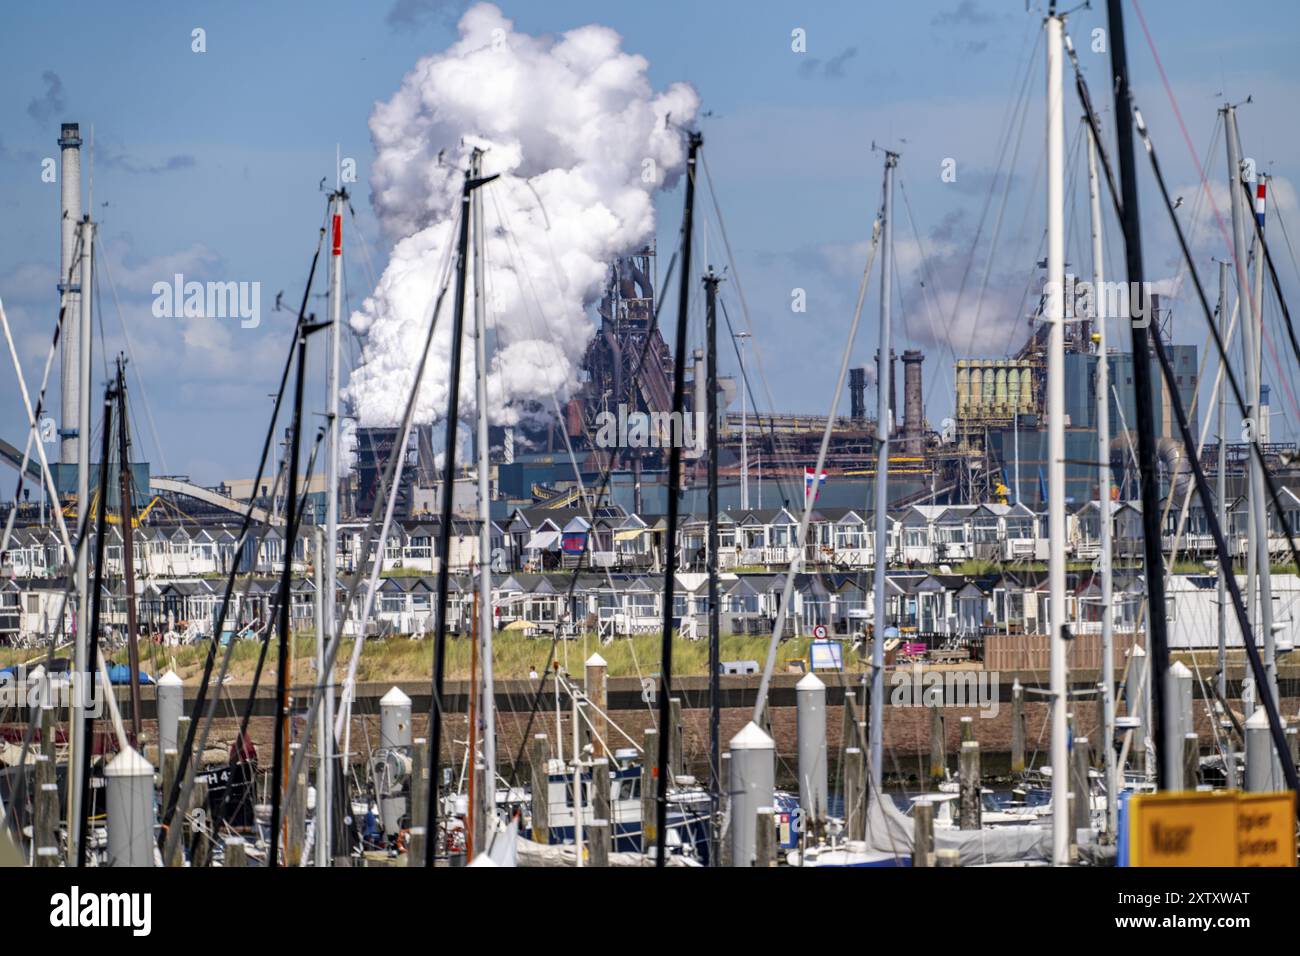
(857, 394)
(69, 336)
(913, 403)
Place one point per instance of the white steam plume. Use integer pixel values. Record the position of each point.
(570, 120)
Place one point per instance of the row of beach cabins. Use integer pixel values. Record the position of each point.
(609, 539)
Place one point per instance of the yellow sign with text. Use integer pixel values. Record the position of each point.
(1225, 828)
(1266, 829)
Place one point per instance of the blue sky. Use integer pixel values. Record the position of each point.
(209, 164)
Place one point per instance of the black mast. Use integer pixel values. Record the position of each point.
(674, 488)
(1158, 643)
(444, 530)
(126, 513)
(278, 766)
(92, 647)
(715, 691)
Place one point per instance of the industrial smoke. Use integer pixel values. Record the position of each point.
(581, 143)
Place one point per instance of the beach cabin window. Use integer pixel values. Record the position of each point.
(1020, 528)
(848, 537)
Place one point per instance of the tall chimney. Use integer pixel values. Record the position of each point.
(913, 403)
(69, 336)
(857, 394)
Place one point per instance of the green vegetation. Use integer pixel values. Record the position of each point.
(514, 655)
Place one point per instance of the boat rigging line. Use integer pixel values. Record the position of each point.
(1203, 490)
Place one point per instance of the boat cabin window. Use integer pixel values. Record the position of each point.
(568, 793)
(629, 788)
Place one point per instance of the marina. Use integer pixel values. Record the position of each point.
(525, 557)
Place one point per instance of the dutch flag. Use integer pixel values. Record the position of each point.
(809, 481)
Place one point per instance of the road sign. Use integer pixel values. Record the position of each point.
(1266, 829)
(819, 632)
(1224, 828)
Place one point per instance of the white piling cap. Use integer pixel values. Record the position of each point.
(1181, 670)
(810, 681)
(751, 737)
(1258, 720)
(129, 763)
(484, 860)
(170, 679)
(595, 660)
(394, 698)
(1136, 651)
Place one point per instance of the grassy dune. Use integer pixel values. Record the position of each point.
(400, 658)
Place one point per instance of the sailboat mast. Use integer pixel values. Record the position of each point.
(82, 663)
(328, 558)
(126, 515)
(715, 664)
(92, 634)
(1257, 569)
(1221, 505)
(472, 182)
(1154, 575)
(1107, 681)
(279, 768)
(1055, 316)
(670, 534)
(883, 389)
(1221, 492)
(487, 711)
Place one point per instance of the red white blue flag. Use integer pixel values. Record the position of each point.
(809, 481)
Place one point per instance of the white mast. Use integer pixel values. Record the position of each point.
(744, 427)
(486, 789)
(328, 561)
(1055, 316)
(1258, 526)
(1263, 559)
(83, 666)
(1103, 493)
(884, 386)
(1221, 493)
